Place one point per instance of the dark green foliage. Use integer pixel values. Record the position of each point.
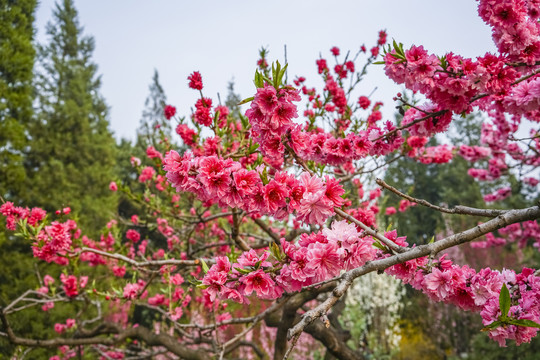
(16, 64)
(440, 184)
(483, 348)
(72, 152)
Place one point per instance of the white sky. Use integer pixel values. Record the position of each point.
(221, 40)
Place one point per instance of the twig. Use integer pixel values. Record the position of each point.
(276, 306)
(414, 122)
(392, 245)
(141, 264)
(293, 344)
(462, 210)
(264, 227)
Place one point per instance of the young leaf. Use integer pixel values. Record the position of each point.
(504, 301)
(524, 322)
(281, 74)
(259, 81)
(204, 266)
(492, 326)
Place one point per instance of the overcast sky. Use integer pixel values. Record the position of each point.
(221, 40)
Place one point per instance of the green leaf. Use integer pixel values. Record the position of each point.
(264, 176)
(259, 83)
(253, 148)
(281, 74)
(245, 101)
(524, 322)
(204, 266)
(275, 251)
(492, 326)
(379, 63)
(243, 119)
(244, 271)
(504, 301)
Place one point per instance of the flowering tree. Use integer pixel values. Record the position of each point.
(259, 228)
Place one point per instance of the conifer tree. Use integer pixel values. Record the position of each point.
(153, 120)
(73, 152)
(16, 70)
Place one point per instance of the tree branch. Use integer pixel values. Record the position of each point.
(505, 219)
(172, 344)
(462, 210)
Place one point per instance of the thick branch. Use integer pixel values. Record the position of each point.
(234, 233)
(172, 344)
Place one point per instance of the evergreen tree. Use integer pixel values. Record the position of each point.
(72, 155)
(440, 184)
(153, 120)
(16, 70)
(232, 101)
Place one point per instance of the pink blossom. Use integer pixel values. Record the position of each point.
(131, 291)
(325, 260)
(169, 111)
(133, 235)
(439, 282)
(113, 186)
(258, 281)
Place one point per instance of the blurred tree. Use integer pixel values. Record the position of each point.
(72, 156)
(153, 120)
(16, 70)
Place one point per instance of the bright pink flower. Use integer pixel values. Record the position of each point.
(342, 233)
(250, 258)
(275, 195)
(156, 300)
(152, 153)
(176, 313)
(202, 113)
(48, 280)
(59, 328)
(364, 102)
(70, 323)
(321, 64)
(439, 282)
(187, 134)
(258, 281)
(119, 271)
(315, 208)
(325, 260)
(36, 215)
(69, 285)
(195, 81)
(113, 186)
(215, 281)
(131, 291)
(133, 235)
(169, 111)
(147, 174)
